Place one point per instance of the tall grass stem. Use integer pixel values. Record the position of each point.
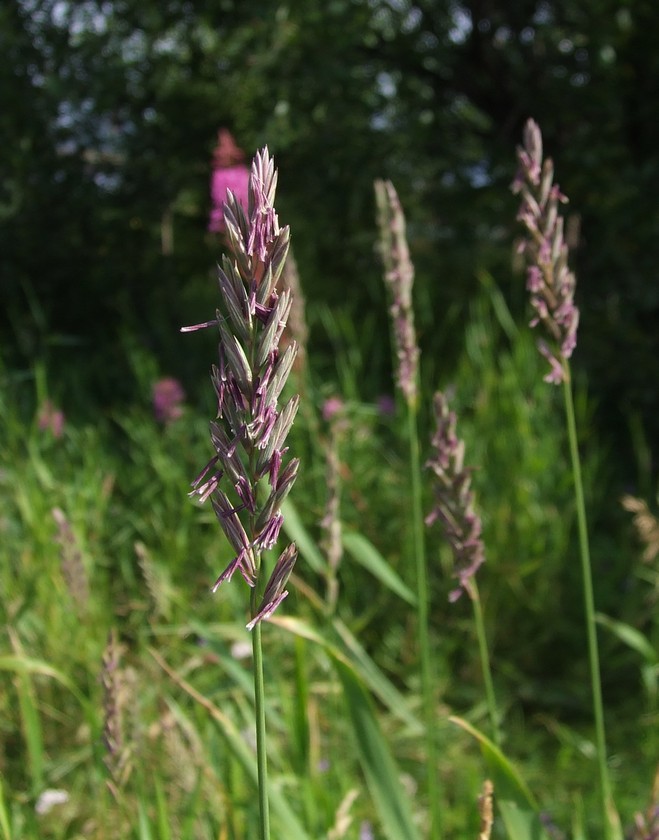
(259, 707)
(429, 715)
(589, 603)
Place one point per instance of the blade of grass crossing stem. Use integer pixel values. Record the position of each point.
(240, 751)
(514, 800)
(378, 765)
(367, 555)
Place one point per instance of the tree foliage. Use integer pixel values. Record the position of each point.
(109, 112)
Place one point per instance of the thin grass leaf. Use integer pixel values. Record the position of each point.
(367, 555)
(514, 800)
(26, 665)
(630, 636)
(499, 305)
(300, 722)
(164, 822)
(639, 643)
(298, 534)
(380, 770)
(351, 654)
(4, 815)
(578, 821)
(144, 829)
(31, 730)
(241, 752)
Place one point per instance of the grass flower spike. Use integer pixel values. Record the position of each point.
(399, 278)
(454, 506)
(247, 479)
(551, 285)
(455, 510)
(549, 280)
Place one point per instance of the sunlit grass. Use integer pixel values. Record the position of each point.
(148, 557)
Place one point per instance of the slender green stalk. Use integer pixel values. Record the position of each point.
(589, 602)
(485, 660)
(259, 706)
(429, 713)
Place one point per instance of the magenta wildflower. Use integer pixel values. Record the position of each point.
(454, 498)
(167, 395)
(549, 280)
(399, 278)
(51, 419)
(331, 407)
(229, 173)
(248, 478)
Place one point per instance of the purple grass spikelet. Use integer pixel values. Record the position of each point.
(249, 476)
(399, 278)
(549, 280)
(454, 498)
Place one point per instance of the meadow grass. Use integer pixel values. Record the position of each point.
(127, 687)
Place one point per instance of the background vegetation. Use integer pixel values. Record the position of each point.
(109, 113)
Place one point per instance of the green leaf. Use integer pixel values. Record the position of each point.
(367, 555)
(4, 815)
(143, 823)
(630, 636)
(296, 531)
(26, 665)
(514, 800)
(164, 821)
(348, 650)
(244, 755)
(380, 770)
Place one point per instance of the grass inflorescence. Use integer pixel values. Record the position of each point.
(394, 707)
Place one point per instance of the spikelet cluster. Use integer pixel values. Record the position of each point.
(248, 477)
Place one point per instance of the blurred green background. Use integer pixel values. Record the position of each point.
(109, 113)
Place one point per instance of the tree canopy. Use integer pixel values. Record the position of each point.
(110, 110)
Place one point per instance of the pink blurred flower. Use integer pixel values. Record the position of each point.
(331, 407)
(167, 396)
(51, 419)
(229, 173)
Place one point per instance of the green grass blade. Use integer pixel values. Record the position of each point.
(515, 801)
(144, 828)
(4, 815)
(631, 637)
(164, 822)
(296, 531)
(242, 753)
(348, 651)
(26, 665)
(378, 765)
(31, 730)
(367, 555)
